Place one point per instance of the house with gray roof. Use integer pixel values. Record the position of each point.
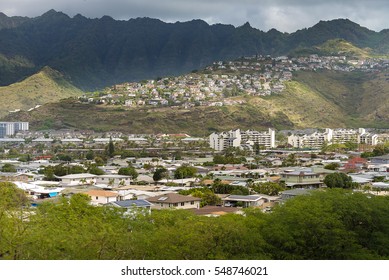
(293, 193)
(174, 200)
(133, 206)
(380, 160)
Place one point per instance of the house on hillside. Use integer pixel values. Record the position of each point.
(174, 200)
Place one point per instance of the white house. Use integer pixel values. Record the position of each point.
(78, 179)
(99, 197)
(113, 180)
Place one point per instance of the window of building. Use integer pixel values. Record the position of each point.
(192, 203)
(182, 203)
(175, 204)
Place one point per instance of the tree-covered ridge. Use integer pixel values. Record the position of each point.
(100, 52)
(326, 224)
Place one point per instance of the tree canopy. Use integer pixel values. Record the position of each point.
(338, 180)
(185, 171)
(328, 224)
(128, 171)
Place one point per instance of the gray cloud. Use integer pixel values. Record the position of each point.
(284, 15)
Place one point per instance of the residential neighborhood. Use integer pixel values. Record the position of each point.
(177, 171)
(220, 82)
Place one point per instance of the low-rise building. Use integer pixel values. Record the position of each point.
(99, 197)
(243, 200)
(301, 179)
(174, 200)
(78, 179)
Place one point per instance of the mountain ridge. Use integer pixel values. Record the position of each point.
(96, 53)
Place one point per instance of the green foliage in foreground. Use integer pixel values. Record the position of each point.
(327, 224)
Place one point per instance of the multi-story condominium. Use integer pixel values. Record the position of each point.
(237, 138)
(264, 138)
(223, 140)
(315, 140)
(343, 135)
(368, 138)
(383, 138)
(333, 136)
(11, 128)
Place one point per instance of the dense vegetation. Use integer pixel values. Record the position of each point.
(327, 224)
(100, 52)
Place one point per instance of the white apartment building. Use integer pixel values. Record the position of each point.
(315, 140)
(236, 138)
(343, 135)
(223, 140)
(368, 138)
(333, 136)
(11, 128)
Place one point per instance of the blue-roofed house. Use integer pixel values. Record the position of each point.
(243, 200)
(133, 206)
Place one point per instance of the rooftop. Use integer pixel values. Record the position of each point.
(78, 176)
(132, 203)
(243, 198)
(172, 198)
(101, 193)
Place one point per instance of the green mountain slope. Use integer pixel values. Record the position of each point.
(336, 47)
(364, 98)
(197, 121)
(44, 87)
(96, 53)
(312, 99)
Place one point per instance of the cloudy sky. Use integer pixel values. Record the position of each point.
(284, 15)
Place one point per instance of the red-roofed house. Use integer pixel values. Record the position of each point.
(354, 164)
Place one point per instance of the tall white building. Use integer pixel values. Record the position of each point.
(223, 140)
(343, 135)
(368, 138)
(236, 138)
(315, 140)
(11, 128)
(332, 136)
